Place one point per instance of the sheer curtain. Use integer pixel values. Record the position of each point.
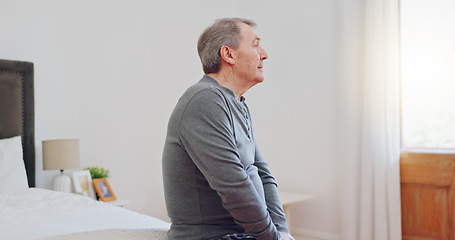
(369, 144)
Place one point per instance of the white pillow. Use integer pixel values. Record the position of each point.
(12, 169)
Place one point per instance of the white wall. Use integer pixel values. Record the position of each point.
(110, 72)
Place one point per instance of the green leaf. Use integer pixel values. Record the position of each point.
(97, 172)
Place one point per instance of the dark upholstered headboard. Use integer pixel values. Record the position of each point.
(17, 109)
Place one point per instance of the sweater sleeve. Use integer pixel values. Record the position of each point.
(272, 198)
(206, 132)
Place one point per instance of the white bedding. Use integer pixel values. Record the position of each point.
(38, 213)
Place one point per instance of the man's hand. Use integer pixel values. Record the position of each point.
(286, 236)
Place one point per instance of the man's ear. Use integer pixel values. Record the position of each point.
(228, 54)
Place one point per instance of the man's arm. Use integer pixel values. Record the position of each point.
(272, 198)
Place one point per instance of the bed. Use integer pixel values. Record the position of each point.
(28, 212)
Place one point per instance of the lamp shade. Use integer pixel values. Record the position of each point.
(61, 154)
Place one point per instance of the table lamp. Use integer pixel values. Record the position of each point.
(59, 155)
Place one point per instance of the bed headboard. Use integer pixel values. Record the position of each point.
(17, 109)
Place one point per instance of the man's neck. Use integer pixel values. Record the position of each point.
(230, 82)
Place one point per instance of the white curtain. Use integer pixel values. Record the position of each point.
(369, 144)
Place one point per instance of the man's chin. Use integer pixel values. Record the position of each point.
(260, 79)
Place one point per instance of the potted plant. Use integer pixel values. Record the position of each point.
(97, 172)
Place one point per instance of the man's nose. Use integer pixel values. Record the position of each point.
(263, 53)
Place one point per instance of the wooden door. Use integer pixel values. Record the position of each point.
(427, 196)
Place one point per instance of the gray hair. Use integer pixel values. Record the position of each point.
(224, 32)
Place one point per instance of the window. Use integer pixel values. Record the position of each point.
(428, 73)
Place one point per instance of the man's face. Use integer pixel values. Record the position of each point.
(250, 57)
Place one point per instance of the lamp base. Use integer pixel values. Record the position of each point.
(62, 183)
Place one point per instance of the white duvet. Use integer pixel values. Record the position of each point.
(38, 213)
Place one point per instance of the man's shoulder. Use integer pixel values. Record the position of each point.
(203, 90)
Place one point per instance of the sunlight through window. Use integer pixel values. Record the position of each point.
(428, 73)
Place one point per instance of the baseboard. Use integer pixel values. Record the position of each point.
(306, 234)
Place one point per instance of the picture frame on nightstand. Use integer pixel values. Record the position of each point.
(103, 189)
(83, 184)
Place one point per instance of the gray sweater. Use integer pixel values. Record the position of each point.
(216, 181)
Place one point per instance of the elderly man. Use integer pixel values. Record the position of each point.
(216, 182)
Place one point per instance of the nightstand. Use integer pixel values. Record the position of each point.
(119, 203)
(289, 198)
